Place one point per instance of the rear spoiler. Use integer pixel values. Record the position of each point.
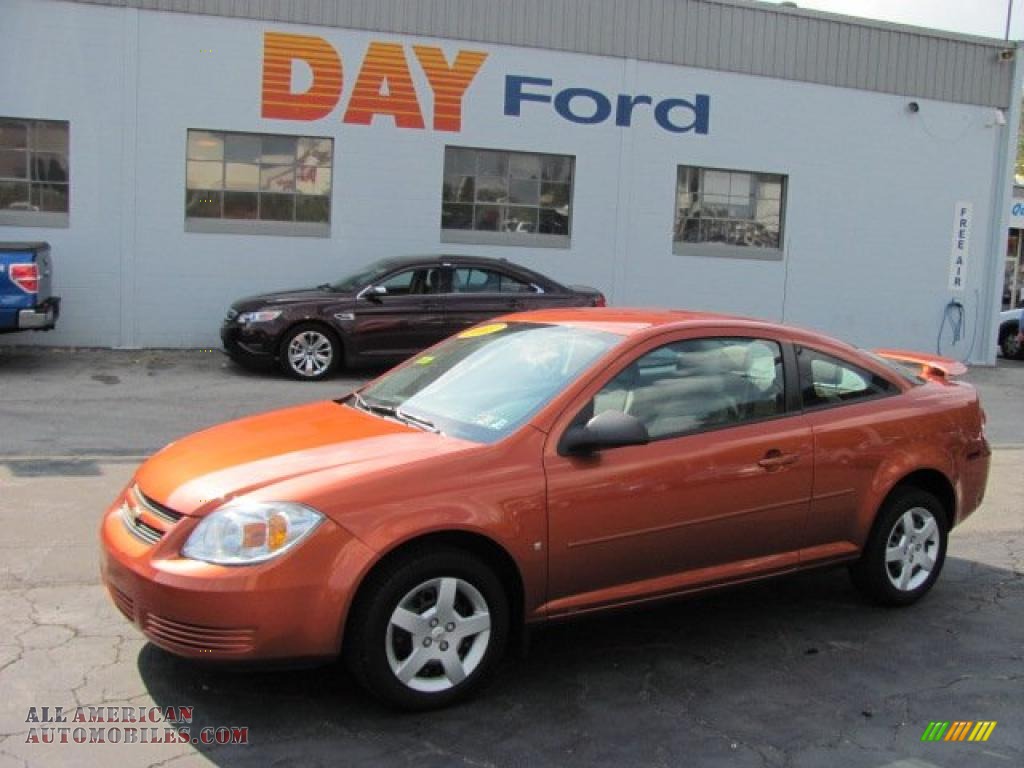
(932, 366)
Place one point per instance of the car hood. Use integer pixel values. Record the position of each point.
(198, 473)
(295, 296)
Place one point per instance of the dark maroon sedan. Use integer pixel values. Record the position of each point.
(386, 312)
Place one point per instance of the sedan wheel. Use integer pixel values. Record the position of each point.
(427, 628)
(309, 353)
(906, 549)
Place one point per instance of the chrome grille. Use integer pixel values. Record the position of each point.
(156, 509)
(146, 519)
(142, 530)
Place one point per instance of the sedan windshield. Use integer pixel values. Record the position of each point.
(485, 382)
(362, 278)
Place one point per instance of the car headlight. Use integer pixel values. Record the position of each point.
(250, 532)
(263, 316)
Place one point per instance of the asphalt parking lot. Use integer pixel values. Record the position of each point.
(796, 672)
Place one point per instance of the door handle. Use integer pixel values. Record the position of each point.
(775, 459)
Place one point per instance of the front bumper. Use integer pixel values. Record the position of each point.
(289, 608)
(248, 343)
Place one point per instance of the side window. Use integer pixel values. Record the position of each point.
(469, 280)
(476, 280)
(510, 284)
(413, 282)
(400, 284)
(696, 385)
(826, 380)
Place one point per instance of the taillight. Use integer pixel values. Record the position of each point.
(25, 276)
(600, 301)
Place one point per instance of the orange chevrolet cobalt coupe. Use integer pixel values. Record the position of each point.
(543, 465)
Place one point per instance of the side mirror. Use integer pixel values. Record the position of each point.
(374, 292)
(610, 429)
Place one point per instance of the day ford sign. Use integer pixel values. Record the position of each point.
(586, 106)
(384, 87)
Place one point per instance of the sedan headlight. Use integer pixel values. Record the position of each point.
(263, 316)
(250, 532)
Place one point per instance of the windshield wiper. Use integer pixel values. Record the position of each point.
(363, 405)
(394, 412)
(325, 287)
(417, 421)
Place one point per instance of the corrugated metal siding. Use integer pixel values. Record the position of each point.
(730, 35)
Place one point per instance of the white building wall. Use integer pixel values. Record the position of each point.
(868, 224)
(64, 62)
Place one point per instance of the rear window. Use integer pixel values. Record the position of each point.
(828, 381)
(905, 372)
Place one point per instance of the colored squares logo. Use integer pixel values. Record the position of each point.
(958, 730)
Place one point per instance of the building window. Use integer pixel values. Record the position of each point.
(729, 213)
(253, 183)
(34, 182)
(506, 198)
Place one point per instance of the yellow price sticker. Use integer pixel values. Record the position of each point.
(425, 360)
(483, 330)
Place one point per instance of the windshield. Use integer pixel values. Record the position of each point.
(366, 276)
(484, 383)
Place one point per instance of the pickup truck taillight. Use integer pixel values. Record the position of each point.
(25, 276)
(599, 301)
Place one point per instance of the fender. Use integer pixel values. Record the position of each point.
(506, 507)
(898, 466)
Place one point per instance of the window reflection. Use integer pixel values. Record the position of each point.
(739, 208)
(266, 177)
(516, 192)
(34, 169)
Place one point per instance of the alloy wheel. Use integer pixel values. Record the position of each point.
(310, 353)
(912, 549)
(438, 634)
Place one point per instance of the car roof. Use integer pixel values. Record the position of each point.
(626, 320)
(454, 259)
(447, 258)
(629, 321)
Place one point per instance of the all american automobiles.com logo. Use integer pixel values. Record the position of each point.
(126, 725)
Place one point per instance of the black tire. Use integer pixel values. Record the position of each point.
(880, 577)
(317, 338)
(371, 650)
(1009, 344)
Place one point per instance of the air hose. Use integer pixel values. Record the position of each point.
(953, 315)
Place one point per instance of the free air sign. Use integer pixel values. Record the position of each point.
(962, 220)
(304, 78)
